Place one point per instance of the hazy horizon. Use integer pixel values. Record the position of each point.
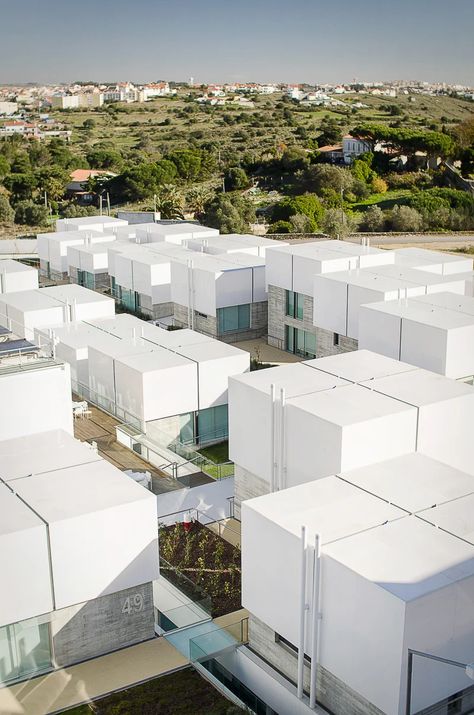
(319, 41)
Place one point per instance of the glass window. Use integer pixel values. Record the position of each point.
(24, 649)
(294, 304)
(186, 428)
(300, 342)
(213, 424)
(233, 318)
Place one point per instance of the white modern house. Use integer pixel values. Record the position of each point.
(290, 276)
(16, 276)
(169, 385)
(53, 248)
(316, 290)
(23, 311)
(341, 582)
(305, 421)
(88, 536)
(433, 331)
(359, 549)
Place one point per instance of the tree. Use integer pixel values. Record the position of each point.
(307, 205)
(170, 202)
(4, 167)
(324, 176)
(188, 163)
(236, 179)
(405, 218)
(373, 219)
(21, 186)
(104, 159)
(330, 132)
(88, 124)
(31, 214)
(6, 211)
(230, 213)
(197, 198)
(338, 224)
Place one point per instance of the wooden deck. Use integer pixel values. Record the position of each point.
(100, 427)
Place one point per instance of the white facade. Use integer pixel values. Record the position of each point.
(329, 422)
(24, 311)
(388, 580)
(90, 534)
(338, 297)
(15, 276)
(435, 332)
(53, 247)
(89, 223)
(35, 400)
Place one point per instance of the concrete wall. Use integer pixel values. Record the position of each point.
(103, 625)
(277, 319)
(207, 324)
(331, 692)
(247, 486)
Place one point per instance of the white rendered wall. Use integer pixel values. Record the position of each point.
(234, 287)
(46, 391)
(279, 268)
(13, 281)
(26, 590)
(380, 332)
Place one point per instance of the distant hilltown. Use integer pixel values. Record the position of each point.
(20, 102)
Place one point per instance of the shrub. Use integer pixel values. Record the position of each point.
(373, 219)
(280, 227)
(31, 214)
(6, 211)
(405, 218)
(379, 186)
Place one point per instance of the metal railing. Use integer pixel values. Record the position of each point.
(221, 527)
(130, 422)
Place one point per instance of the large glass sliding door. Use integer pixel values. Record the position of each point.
(300, 342)
(25, 649)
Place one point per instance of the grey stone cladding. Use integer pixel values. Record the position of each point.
(277, 319)
(207, 324)
(103, 625)
(331, 692)
(247, 486)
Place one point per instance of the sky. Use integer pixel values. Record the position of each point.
(314, 41)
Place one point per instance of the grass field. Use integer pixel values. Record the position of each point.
(385, 201)
(168, 123)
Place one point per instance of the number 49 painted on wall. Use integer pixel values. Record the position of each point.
(133, 604)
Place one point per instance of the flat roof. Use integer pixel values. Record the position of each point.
(34, 299)
(349, 405)
(415, 275)
(424, 313)
(413, 481)
(450, 301)
(456, 517)
(43, 452)
(8, 265)
(328, 506)
(116, 348)
(86, 220)
(420, 387)
(84, 488)
(407, 557)
(296, 379)
(71, 235)
(16, 516)
(369, 279)
(157, 358)
(428, 256)
(72, 291)
(210, 350)
(359, 365)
